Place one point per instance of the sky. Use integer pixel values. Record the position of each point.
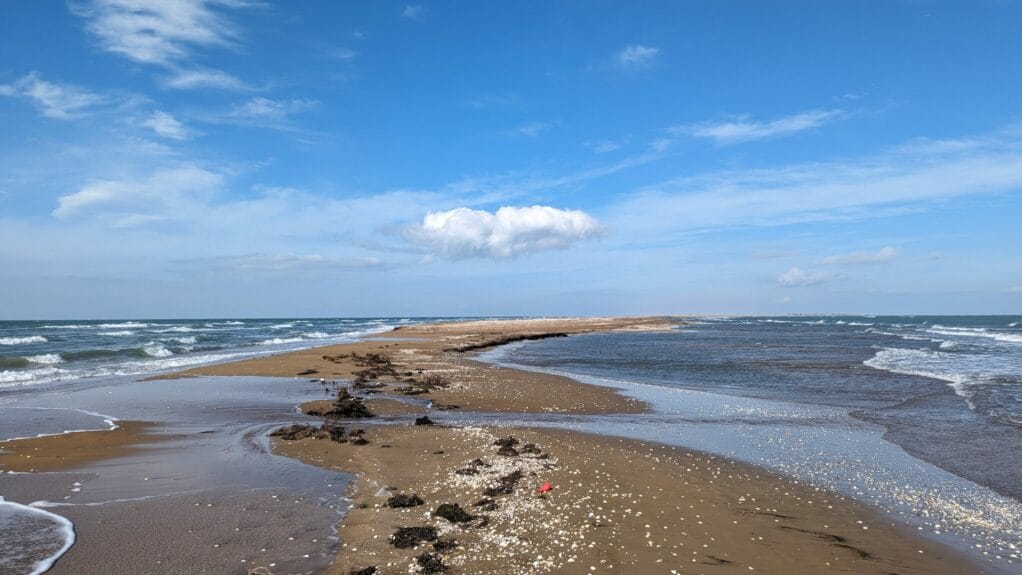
(243, 158)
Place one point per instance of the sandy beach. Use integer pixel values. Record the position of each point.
(613, 506)
(435, 497)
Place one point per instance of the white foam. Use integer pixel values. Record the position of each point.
(282, 326)
(22, 340)
(46, 358)
(116, 333)
(280, 340)
(10, 378)
(190, 340)
(175, 329)
(66, 528)
(948, 345)
(126, 324)
(156, 349)
(315, 335)
(976, 332)
(1013, 324)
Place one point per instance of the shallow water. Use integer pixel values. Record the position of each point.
(794, 431)
(208, 497)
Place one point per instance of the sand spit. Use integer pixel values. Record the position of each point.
(610, 506)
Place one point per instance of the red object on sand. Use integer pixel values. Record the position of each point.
(545, 487)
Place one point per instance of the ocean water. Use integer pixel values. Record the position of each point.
(35, 353)
(919, 416)
(947, 388)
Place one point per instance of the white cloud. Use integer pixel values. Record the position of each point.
(413, 11)
(272, 110)
(61, 101)
(530, 130)
(166, 125)
(881, 256)
(206, 78)
(161, 32)
(1015, 289)
(745, 129)
(344, 53)
(508, 232)
(636, 56)
(795, 277)
(908, 176)
(132, 202)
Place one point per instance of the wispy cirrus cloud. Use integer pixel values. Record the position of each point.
(205, 78)
(745, 129)
(166, 34)
(882, 256)
(266, 109)
(162, 32)
(636, 56)
(130, 202)
(53, 100)
(916, 174)
(797, 277)
(166, 125)
(509, 232)
(529, 130)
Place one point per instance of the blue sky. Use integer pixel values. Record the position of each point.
(197, 158)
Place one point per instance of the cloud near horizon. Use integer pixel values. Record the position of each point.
(797, 277)
(509, 232)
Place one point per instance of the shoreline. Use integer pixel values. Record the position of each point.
(430, 378)
(435, 349)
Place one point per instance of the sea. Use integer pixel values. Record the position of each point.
(919, 416)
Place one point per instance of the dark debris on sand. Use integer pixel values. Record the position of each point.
(424, 420)
(367, 571)
(345, 406)
(453, 513)
(445, 545)
(506, 484)
(473, 467)
(431, 563)
(402, 500)
(408, 537)
(330, 431)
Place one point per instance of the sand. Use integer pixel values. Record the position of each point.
(60, 452)
(616, 506)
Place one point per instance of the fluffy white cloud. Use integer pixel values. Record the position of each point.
(61, 101)
(636, 56)
(166, 125)
(745, 129)
(140, 201)
(508, 232)
(798, 277)
(881, 256)
(158, 32)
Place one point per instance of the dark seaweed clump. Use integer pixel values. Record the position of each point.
(408, 537)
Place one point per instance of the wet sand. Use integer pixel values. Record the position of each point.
(58, 452)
